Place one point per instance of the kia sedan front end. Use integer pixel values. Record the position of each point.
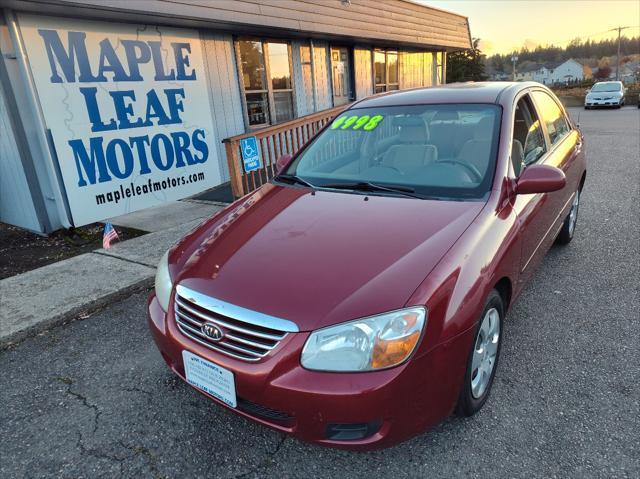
(358, 298)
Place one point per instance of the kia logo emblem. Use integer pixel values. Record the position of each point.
(212, 331)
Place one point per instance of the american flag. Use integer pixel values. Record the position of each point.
(108, 236)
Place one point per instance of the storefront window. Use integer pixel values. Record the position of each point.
(254, 81)
(385, 69)
(280, 74)
(266, 76)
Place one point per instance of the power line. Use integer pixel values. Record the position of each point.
(585, 37)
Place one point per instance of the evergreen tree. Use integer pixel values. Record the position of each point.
(466, 65)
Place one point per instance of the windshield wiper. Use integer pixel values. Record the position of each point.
(368, 186)
(293, 179)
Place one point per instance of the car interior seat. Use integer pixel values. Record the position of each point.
(445, 130)
(412, 150)
(477, 151)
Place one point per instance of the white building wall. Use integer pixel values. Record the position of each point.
(322, 75)
(16, 204)
(362, 71)
(302, 79)
(224, 91)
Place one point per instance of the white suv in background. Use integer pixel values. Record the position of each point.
(605, 93)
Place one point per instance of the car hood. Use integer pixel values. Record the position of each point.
(319, 258)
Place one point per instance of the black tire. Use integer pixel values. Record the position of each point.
(468, 404)
(586, 107)
(568, 231)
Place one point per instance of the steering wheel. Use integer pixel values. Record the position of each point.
(475, 171)
(388, 167)
(377, 163)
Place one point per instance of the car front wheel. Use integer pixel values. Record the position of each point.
(483, 358)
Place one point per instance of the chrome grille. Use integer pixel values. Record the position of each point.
(247, 335)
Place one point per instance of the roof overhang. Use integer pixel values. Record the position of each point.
(390, 23)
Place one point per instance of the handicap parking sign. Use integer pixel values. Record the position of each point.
(250, 154)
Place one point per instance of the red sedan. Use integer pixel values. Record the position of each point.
(358, 299)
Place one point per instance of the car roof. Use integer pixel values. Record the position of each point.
(608, 81)
(471, 92)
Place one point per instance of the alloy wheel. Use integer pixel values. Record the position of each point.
(485, 352)
(573, 214)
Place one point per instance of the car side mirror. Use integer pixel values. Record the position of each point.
(282, 162)
(540, 179)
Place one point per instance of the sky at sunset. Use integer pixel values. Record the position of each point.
(505, 25)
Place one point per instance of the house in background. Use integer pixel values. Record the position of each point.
(554, 73)
(567, 72)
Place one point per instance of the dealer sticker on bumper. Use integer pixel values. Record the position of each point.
(211, 378)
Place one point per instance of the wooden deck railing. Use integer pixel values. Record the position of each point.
(273, 141)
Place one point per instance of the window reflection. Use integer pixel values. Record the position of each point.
(279, 66)
(385, 68)
(379, 61)
(267, 85)
(253, 71)
(554, 119)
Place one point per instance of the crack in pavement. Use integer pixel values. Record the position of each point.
(85, 451)
(138, 390)
(265, 461)
(96, 411)
(149, 455)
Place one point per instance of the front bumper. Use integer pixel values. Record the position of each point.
(602, 102)
(394, 404)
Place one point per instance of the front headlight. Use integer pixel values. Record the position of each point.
(163, 282)
(368, 344)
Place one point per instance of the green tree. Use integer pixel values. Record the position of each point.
(466, 65)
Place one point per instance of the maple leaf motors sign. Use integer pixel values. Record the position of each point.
(128, 109)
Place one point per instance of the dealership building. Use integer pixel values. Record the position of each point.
(110, 106)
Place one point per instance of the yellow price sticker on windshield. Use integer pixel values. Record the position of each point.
(355, 122)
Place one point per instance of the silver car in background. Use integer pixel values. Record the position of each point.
(605, 94)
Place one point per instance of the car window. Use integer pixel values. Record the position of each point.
(552, 115)
(607, 87)
(528, 140)
(433, 150)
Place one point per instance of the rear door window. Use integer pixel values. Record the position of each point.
(552, 115)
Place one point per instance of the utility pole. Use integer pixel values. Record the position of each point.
(514, 59)
(619, 29)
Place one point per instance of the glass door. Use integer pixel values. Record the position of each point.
(341, 75)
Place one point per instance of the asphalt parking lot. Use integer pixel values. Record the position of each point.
(93, 398)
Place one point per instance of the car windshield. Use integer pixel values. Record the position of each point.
(432, 151)
(603, 87)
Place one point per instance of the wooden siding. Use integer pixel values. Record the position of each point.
(416, 69)
(380, 21)
(302, 80)
(16, 205)
(363, 72)
(322, 75)
(224, 92)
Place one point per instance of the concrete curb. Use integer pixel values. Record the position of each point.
(74, 313)
(36, 300)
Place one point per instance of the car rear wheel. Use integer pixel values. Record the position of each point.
(568, 228)
(483, 358)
